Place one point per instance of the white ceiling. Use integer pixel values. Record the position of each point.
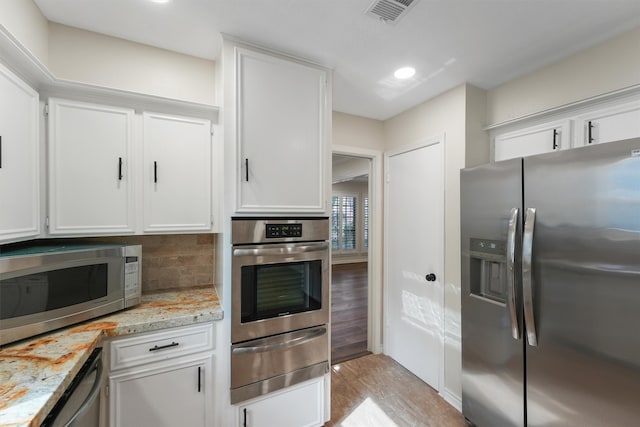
(483, 42)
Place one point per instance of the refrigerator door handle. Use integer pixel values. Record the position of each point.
(511, 272)
(527, 276)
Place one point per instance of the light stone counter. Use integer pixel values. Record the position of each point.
(34, 373)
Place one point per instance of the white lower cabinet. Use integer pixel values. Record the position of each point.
(162, 379)
(301, 405)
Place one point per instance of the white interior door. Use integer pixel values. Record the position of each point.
(414, 249)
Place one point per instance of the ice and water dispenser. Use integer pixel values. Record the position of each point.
(488, 269)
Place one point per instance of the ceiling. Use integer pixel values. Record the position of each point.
(483, 42)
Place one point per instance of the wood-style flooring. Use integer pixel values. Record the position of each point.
(348, 311)
(376, 391)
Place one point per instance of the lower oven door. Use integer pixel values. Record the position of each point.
(268, 364)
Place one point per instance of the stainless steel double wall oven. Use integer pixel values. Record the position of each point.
(280, 303)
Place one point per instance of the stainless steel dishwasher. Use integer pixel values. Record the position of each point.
(79, 405)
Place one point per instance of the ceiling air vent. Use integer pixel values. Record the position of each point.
(389, 10)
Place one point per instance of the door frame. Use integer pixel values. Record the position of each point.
(374, 253)
(423, 143)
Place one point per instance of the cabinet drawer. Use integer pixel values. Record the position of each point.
(156, 346)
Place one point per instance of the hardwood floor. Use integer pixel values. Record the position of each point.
(376, 391)
(349, 294)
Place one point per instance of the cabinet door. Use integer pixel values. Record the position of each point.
(534, 140)
(90, 169)
(177, 173)
(177, 393)
(611, 124)
(296, 406)
(19, 159)
(282, 146)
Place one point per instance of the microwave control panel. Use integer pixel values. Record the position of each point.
(132, 275)
(276, 231)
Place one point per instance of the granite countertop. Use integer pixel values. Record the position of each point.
(34, 373)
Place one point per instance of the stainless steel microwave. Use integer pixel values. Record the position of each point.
(43, 288)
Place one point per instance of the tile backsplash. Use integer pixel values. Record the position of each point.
(172, 261)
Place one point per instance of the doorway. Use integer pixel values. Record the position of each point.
(349, 248)
(355, 237)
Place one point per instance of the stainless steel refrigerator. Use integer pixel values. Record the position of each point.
(551, 289)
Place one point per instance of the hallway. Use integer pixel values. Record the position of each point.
(349, 289)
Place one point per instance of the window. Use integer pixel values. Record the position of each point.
(343, 223)
(365, 217)
(349, 223)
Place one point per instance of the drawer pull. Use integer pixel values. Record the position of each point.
(162, 347)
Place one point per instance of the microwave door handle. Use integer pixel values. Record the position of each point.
(279, 343)
(511, 273)
(282, 249)
(527, 277)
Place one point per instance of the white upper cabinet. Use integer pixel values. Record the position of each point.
(282, 112)
(597, 121)
(609, 124)
(177, 173)
(533, 140)
(90, 169)
(19, 160)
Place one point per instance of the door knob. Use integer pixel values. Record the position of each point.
(430, 277)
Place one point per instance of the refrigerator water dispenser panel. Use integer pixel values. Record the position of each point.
(488, 269)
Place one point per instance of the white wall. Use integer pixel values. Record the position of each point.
(609, 66)
(24, 21)
(87, 57)
(444, 114)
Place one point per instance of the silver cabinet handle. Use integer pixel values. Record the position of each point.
(281, 342)
(286, 249)
(511, 272)
(527, 276)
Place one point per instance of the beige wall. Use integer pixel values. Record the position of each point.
(355, 131)
(87, 57)
(444, 114)
(477, 139)
(23, 20)
(173, 261)
(609, 66)
(82, 56)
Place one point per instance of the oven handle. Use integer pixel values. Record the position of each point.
(285, 249)
(281, 342)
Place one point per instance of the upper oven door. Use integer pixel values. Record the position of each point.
(279, 288)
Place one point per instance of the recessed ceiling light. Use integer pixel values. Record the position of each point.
(160, 1)
(404, 73)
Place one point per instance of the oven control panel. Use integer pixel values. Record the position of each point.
(276, 231)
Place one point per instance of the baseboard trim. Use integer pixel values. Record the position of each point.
(452, 399)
